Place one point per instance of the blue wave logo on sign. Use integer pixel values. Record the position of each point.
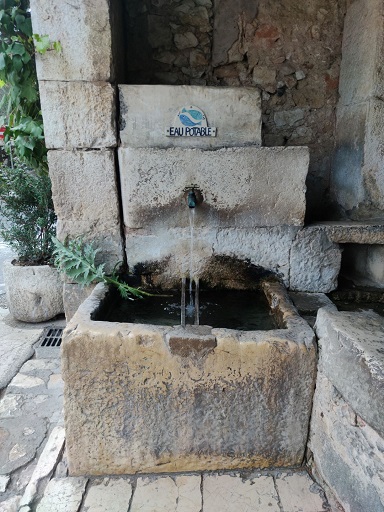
(191, 117)
(190, 121)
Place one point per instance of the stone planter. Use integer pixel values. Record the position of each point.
(34, 293)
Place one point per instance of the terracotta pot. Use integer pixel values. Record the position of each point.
(34, 293)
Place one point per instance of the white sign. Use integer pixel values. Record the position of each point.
(190, 122)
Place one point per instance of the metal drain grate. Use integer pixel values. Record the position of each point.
(49, 343)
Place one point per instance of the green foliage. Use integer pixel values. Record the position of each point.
(78, 261)
(23, 119)
(27, 217)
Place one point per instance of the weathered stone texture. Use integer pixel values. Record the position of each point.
(73, 296)
(347, 452)
(86, 201)
(350, 232)
(357, 172)
(132, 406)
(180, 494)
(243, 187)
(297, 492)
(363, 40)
(146, 112)
(289, 51)
(63, 495)
(315, 262)
(219, 492)
(78, 114)
(165, 36)
(352, 359)
(266, 247)
(109, 494)
(34, 293)
(84, 32)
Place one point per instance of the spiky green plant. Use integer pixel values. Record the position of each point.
(77, 260)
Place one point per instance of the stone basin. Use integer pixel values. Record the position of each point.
(150, 398)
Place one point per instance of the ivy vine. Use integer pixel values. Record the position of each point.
(23, 119)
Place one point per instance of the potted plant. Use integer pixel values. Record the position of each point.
(27, 223)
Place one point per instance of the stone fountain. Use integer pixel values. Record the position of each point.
(150, 398)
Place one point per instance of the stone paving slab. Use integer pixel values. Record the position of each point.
(30, 410)
(293, 491)
(221, 493)
(16, 343)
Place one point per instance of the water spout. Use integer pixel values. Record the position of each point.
(191, 199)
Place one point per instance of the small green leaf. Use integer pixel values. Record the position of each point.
(42, 43)
(57, 46)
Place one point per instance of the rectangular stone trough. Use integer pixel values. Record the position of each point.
(146, 398)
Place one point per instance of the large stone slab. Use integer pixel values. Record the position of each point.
(266, 247)
(314, 262)
(84, 32)
(86, 199)
(135, 403)
(347, 452)
(148, 110)
(350, 232)
(240, 187)
(78, 114)
(351, 357)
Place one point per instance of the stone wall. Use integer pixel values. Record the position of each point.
(347, 425)
(290, 52)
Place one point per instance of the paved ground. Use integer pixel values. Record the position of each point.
(33, 470)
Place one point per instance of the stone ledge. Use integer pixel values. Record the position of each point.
(352, 358)
(351, 232)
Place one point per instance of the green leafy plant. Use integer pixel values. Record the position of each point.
(23, 119)
(27, 217)
(78, 261)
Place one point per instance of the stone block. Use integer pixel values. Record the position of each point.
(347, 452)
(78, 114)
(179, 494)
(226, 493)
(351, 357)
(133, 406)
(86, 200)
(266, 247)
(240, 187)
(34, 293)
(84, 32)
(363, 41)
(148, 110)
(315, 262)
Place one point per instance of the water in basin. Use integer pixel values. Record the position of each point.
(232, 309)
